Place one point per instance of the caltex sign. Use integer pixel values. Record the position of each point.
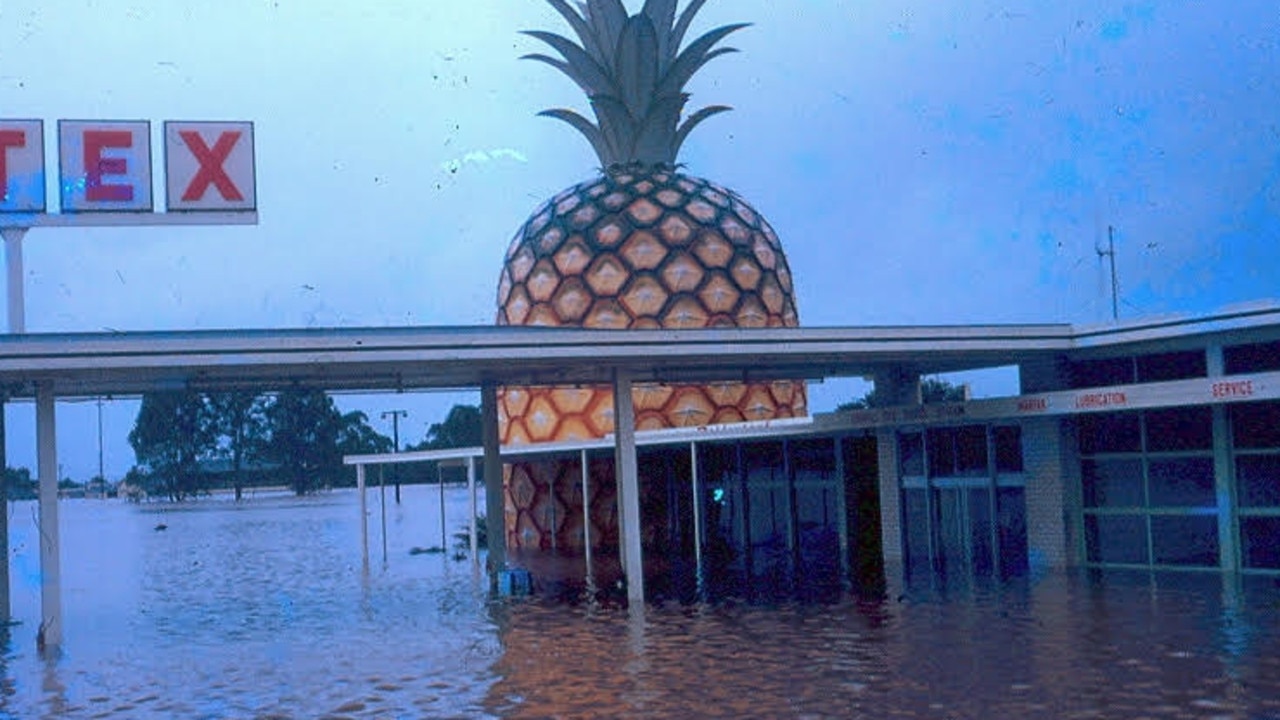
(106, 166)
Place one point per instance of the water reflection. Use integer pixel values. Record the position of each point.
(262, 610)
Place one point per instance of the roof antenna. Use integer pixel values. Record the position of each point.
(1110, 252)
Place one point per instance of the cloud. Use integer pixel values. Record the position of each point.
(482, 157)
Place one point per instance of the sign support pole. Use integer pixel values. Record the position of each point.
(14, 271)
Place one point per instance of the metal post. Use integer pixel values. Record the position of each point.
(586, 520)
(364, 518)
(1115, 283)
(395, 434)
(628, 475)
(13, 264)
(50, 632)
(382, 490)
(495, 521)
(101, 470)
(471, 490)
(4, 519)
(697, 512)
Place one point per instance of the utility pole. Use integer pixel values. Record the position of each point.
(1110, 253)
(395, 435)
(102, 475)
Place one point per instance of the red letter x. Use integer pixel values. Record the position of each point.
(8, 139)
(211, 172)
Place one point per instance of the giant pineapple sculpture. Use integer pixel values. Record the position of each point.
(642, 245)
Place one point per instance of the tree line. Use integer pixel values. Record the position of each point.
(188, 442)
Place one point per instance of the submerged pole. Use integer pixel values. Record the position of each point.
(4, 518)
(382, 490)
(628, 474)
(471, 490)
(50, 633)
(364, 518)
(495, 522)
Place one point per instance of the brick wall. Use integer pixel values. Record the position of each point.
(1052, 472)
(890, 497)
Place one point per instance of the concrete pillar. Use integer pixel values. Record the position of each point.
(1052, 469)
(628, 476)
(890, 496)
(897, 386)
(1224, 472)
(894, 386)
(50, 631)
(494, 497)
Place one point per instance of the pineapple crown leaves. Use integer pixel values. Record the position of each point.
(633, 72)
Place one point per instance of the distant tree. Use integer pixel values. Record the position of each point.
(174, 431)
(20, 484)
(357, 437)
(304, 430)
(240, 417)
(461, 428)
(932, 390)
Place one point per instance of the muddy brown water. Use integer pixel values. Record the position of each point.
(261, 610)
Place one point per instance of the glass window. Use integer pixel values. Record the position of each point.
(1116, 538)
(1258, 480)
(1113, 483)
(767, 506)
(1110, 433)
(1174, 429)
(1256, 425)
(915, 516)
(1008, 442)
(1172, 366)
(958, 451)
(764, 462)
(911, 454)
(1100, 373)
(1255, 357)
(1185, 539)
(718, 463)
(1011, 509)
(813, 460)
(1181, 482)
(1260, 542)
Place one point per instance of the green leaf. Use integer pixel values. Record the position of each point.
(590, 42)
(562, 66)
(695, 56)
(582, 125)
(682, 27)
(693, 120)
(655, 141)
(636, 64)
(614, 15)
(662, 13)
(589, 72)
(617, 126)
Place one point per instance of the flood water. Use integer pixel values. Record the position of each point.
(261, 610)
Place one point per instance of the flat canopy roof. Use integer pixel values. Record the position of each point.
(410, 358)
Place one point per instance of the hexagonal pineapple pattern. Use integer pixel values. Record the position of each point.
(655, 250)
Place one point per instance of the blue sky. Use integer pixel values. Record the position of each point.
(922, 162)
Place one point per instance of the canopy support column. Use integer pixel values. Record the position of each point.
(628, 478)
(50, 632)
(494, 502)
